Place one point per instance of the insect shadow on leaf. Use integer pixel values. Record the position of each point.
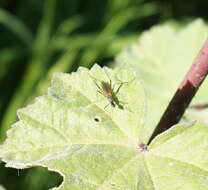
(107, 89)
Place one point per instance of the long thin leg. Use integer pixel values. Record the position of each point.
(106, 106)
(94, 80)
(122, 84)
(118, 88)
(98, 86)
(101, 93)
(108, 77)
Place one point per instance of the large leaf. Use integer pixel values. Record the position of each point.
(71, 130)
(96, 148)
(162, 56)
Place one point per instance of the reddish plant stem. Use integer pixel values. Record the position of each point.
(184, 93)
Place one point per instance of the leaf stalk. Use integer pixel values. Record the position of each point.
(185, 92)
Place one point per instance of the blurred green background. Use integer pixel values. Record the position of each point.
(38, 38)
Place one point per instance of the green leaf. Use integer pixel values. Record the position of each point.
(36, 67)
(8, 57)
(70, 130)
(178, 158)
(162, 56)
(69, 25)
(16, 26)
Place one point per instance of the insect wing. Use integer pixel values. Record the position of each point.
(107, 88)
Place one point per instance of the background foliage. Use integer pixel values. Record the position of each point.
(40, 37)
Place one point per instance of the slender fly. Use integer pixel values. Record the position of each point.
(107, 89)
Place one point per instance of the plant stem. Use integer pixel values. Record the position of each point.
(184, 94)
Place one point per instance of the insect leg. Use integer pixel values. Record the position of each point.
(106, 106)
(94, 80)
(119, 88)
(98, 86)
(121, 83)
(101, 93)
(108, 76)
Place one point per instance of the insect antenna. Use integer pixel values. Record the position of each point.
(108, 76)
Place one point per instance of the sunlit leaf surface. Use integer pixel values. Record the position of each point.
(162, 56)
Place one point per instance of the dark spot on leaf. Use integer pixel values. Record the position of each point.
(97, 119)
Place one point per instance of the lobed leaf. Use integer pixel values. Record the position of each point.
(70, 130)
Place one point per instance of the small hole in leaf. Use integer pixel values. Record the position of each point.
(97, 119)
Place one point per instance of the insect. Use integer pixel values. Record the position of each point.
(107, 90)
